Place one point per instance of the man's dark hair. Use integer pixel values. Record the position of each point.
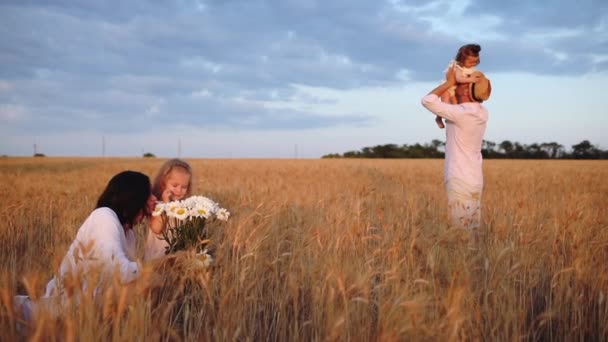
(126, 194)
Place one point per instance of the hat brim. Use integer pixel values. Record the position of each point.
(480, 90)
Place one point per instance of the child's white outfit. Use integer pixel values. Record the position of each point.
(155, 246)
(462, 75)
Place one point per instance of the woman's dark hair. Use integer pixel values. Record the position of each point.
(466, 51)
(126, 194)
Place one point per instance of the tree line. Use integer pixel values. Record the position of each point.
(506, 149)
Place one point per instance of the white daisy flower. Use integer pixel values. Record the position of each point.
(170, 207)
(202, 201)
(190, 201)
(205, 258)
(222, 214)
(178, 211)
(199, 211)
(159, 209)
(188, 217)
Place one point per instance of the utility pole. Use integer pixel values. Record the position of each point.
(103, 145)
(295, 151)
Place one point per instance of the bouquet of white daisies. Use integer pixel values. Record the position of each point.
(186, 221)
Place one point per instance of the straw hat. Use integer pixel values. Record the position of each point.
(480, 90)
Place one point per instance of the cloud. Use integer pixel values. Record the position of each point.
(561, 36)
(148, 64)
(522, 15)
(12, 113)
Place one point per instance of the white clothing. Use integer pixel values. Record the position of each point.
(101, 245)
(464, 204)
(465, 128)
(462, 74)
(27, 309)
(155, 247)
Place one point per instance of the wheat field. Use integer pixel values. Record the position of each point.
(338, 250)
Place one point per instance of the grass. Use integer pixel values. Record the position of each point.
(353, 250)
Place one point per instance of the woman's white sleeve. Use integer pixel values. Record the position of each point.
(110, 246)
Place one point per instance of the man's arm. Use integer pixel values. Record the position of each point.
(433, 103)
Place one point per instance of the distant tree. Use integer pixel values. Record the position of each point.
(149, 155)
(352, 154)
(434, 149)
(535, 151)
(552, 149)
(386, 151)
(585, 150)
(437, 144)
(487, 149)
(331, 155)
(39, 155)
(415, 151)
(519, 151)
(488, 145)
(557, 150)
(367, 152)
(507, 147)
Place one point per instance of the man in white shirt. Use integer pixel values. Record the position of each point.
(466, 125)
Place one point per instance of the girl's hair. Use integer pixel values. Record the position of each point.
(466, 51)
(160, 181)
(126, 194)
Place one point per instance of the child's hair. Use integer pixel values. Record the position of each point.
(160, 181)
(126, 194)
(466, 51)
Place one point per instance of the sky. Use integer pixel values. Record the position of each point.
(289, 78)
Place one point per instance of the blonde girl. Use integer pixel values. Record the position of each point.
(173, 182)
(464, 65)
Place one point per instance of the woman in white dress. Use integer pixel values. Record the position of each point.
(104, 246)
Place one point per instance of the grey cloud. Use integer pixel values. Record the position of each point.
(111, 62)
(520, 15)
(576, 30)
(67, 109)
(219, 113)
(107, 11)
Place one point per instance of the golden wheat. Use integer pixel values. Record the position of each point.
(352, 250)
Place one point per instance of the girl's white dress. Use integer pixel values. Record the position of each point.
(462, 75)
(155, 247)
